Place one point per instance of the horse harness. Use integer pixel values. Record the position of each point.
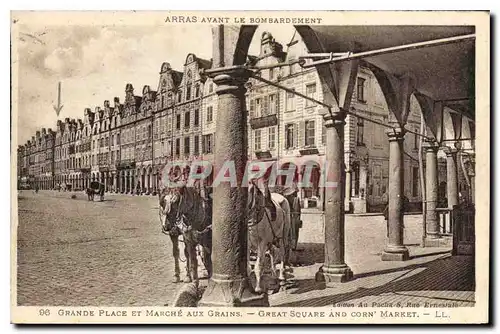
(183, 227)
(260, 215)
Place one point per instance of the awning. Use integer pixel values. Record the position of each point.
(444, 72)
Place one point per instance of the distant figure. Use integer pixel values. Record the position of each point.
(36, 188)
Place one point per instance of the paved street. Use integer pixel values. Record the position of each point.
(111, 253)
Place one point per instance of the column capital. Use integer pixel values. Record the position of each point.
(230, 80)
(431, 145)
(450, 151)
(335, 118)
(395, 134)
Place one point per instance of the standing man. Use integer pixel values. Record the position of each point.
(385, 200)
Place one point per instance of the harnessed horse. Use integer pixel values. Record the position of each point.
(264, 233)
(185, 211)
(95, 188)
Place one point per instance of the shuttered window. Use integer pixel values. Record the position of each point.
(310, 133)
(257, 140)
(290, 136)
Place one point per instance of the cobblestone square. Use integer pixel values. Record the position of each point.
(112, 253)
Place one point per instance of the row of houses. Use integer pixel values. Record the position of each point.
(125, 144)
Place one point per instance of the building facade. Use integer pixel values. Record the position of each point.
(126, 145)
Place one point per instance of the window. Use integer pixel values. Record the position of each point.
(207, 143)
(162, 101)
(118, 139)
(179, 96)
(178, 121)
(186, 146)
(414, 184)
(169, 147)
(257, 141)
(188, 93)
(290, 101)
(310, 132)
(252, 108)
(197, 117)
(310, 92)
(168, 124)
(273, 104)
(360, 132)
(177, 146)
(210, 87)
(258, 108)
(272, 138)
(210, 114)
(187, 119)
(149, 131)
(361, 90)
(196, 145)
(271, 74)
(197, 90)
(289, 136)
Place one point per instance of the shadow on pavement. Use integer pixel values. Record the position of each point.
(451, 273)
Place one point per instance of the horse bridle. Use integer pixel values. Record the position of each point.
(260, 214)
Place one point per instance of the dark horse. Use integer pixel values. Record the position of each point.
(94, 188)
(187, 211)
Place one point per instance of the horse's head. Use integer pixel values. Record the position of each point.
(255, 204)
(169, 208)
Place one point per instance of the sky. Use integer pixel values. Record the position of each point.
(94, 63)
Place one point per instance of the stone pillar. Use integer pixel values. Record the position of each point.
(229, 284)
(452, 177)
(395, 249)
(348, 184)
(334, 269)
(431, 190)
(117, 182)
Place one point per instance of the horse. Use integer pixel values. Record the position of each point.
(95, 188)
(265, 233)
(186, 211)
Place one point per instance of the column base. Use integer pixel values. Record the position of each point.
(232, 293)
(334, 274)
(395, 253)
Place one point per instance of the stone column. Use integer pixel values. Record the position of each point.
(451, 176)
(334, 269)
(395, 249)
(431, 190)
(229, 284)
(348, 184)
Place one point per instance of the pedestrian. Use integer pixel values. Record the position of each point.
(385, 201)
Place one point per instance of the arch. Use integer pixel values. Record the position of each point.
(311, 178)
(287, 166)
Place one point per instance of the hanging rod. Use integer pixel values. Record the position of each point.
(405, 47)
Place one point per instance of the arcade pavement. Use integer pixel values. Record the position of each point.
(74, 252)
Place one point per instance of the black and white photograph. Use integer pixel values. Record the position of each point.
(250, 167)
